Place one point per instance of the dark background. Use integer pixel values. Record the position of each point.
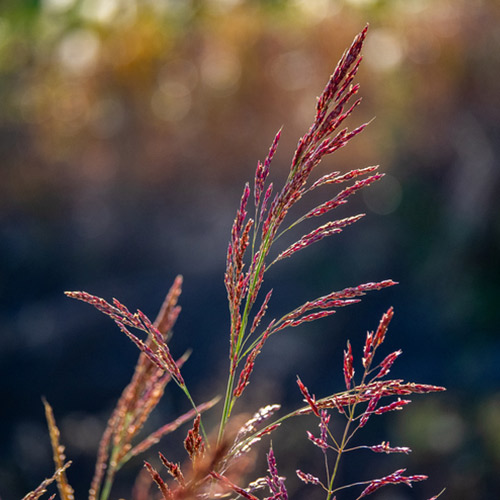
(127, 130)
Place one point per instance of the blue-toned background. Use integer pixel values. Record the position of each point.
(127, 131)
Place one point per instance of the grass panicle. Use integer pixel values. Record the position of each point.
(65, 490)
(219, 464)
(41, 489)
(360, 402)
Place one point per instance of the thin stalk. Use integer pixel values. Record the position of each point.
(225, 410)
(279, 235)
(106, 489)
(327, 469)
(110, 475)
(346, 437)
(345, 440)
(114, 466)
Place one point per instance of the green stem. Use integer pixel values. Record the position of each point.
(110, 476)
(113, 465)
(346, 437)
(226, 408)
(106, 490)
(343, 444)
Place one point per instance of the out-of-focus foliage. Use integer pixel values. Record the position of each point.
(126, 130)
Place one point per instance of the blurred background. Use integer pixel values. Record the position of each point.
(127, 131)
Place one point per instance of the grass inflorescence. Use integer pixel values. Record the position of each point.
(217, 462)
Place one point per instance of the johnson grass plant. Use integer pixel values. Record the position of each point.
(217, 463)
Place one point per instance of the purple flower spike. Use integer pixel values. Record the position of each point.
(275, 483)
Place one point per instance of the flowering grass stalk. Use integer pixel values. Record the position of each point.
(324, 137)
(217, 468)
(370, 391)
(155, 369)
